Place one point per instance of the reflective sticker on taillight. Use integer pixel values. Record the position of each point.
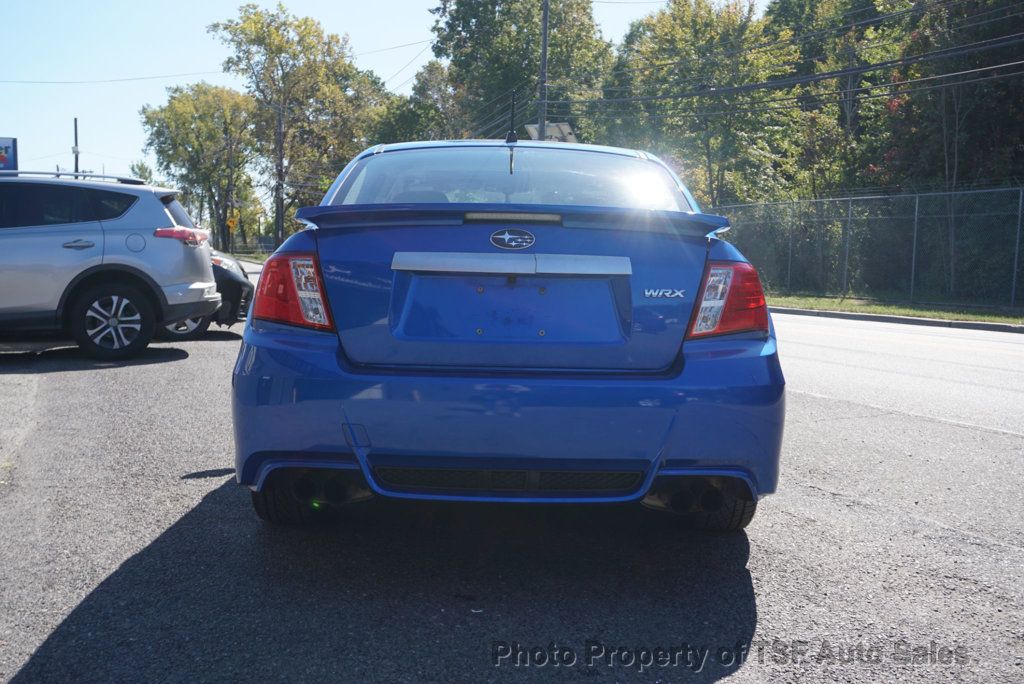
(290, 292)
(716, 292)
(307, 287)
(732, 301)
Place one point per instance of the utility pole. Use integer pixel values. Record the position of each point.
(75, 148)
(543, 107)
(279, 180)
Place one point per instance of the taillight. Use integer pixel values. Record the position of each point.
(731, 300)
(291, 291)
(193, 237)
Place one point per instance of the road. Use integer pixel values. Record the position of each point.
(127, 553)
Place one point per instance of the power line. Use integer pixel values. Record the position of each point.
(499, 119)
(955, 51)
(518, 89)
(819, 100)
(45, 156)
(498, 123)
(521, 118)
(180, 75)
(862, 46)
(407, 64)
(489, 125)
(791, 41)
(402, 84)
(114, 80)
(393, 47)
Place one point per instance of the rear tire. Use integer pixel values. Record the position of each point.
(112, 322)
(277, 504)
(733, 515)
(182, 331)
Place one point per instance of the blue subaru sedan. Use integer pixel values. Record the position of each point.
(509, 322)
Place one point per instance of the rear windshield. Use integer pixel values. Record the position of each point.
(177, 212)
(499, 175)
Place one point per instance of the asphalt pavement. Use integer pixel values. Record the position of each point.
(893, 550)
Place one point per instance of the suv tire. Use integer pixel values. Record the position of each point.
(182, 331)
(112, 322)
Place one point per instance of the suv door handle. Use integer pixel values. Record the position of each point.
(79, 244)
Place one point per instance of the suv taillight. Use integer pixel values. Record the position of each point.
(731, 300)
(193, 237)
(291, 291)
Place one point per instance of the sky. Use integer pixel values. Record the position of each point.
(76, 40)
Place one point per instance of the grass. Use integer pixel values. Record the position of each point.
(871, 306)
(255, 257)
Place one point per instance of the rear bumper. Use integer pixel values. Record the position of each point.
(297, 405)
(236, 294)
(190, 300)
(179, 312)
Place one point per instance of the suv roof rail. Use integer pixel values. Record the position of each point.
(78, 176)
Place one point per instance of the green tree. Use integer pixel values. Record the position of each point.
(432, 112)
(493, 48)
(143, 171)
(203, 141)
(683, 69)
(963, 131)
(315, 108)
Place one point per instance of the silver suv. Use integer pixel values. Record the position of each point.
(107, 261)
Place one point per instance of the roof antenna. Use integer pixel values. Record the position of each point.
(511, 137)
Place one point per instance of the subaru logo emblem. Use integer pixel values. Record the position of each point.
(512, 238)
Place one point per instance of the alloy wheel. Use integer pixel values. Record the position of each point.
(184, 327)
(113, 322)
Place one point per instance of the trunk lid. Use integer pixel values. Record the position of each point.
(581, 289)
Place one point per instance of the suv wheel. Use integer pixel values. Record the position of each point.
(188, 329)
(112, 321)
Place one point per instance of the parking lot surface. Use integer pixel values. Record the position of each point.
(893, 549)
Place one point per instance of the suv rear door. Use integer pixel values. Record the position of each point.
(48, 235)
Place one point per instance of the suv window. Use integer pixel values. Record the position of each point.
(38, 204)
(8, 209)
(110, 205)
(177, 212)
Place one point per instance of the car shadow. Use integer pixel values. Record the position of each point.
(222, 336)
(405, 591)
(59, 359)
(208, 336)
(204, 474)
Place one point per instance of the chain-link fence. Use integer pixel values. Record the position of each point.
(254, 244)
(956, 247)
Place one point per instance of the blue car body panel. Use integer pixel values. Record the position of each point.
(483, 320)
(452, 370)
(296, 403)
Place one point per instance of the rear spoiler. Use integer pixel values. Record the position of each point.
(165, 195)
(360, 215)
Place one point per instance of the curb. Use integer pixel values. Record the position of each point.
(252, 268)
(906, 320)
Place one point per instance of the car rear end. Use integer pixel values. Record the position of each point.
(157, 237)
(537, 350)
